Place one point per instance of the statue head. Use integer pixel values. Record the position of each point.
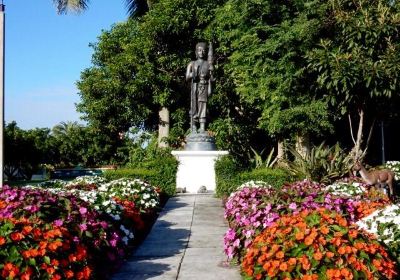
(201, 50)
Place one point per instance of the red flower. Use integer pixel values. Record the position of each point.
(17, 236)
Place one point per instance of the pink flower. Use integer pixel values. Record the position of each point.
(82, 210)
(83, 227)
(58, 222)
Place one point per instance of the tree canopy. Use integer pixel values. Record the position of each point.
(283, 69)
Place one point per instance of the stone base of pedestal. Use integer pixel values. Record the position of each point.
(196, 172)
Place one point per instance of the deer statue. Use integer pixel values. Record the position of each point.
(378, 178)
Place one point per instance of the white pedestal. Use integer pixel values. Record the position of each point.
(196, 169)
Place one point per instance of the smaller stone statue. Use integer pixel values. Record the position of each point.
(199, 72)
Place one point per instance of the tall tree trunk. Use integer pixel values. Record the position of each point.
(303, 145)
(357, 153)
(163, 127)
(281, 151)
(280, 159)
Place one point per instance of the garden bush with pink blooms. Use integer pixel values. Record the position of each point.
(76, 230)
(255, 208)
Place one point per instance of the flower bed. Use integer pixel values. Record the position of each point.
(395, 167)
(385, 224)
(255, 208)
(316, 244)
(75, 230)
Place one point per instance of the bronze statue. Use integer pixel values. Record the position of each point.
(199, 72)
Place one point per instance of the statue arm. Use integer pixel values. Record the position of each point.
(189, 71)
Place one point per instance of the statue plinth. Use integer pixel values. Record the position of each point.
(196, 172)
(200, 142)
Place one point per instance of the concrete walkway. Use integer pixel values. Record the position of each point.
(185, 243)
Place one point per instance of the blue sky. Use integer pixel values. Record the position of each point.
(45, 53)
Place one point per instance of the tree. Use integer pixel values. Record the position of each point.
(265, 43)
(358, 62)
(25, 150)
(134, 7)
(80, 145)
(138, 69)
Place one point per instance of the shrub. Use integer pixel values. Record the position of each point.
(149, 162)
(322, 164)
(227, 171)
(274, 177)
(230, 175)
(162, 176)
(316, 245)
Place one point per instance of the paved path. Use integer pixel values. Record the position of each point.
(185, 243)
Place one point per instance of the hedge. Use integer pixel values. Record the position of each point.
(229, 176)
(159, 173)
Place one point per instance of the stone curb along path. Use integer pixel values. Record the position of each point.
(185, 243)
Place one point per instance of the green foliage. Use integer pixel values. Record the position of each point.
(26, 150)
(230, 175)
(160, 165)
(358, 62)
(258, 162)
(162, 177)
(265, 43)
(227, 171)
(322, 164)
(138, 68)
(275, 177)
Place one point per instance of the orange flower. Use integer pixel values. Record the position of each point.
(69, 274)
(55, 262)
(50, 270)
(329, 255)
(377, 263)
(292, 261)
(25, 276)
(306, 266)
(308, 241)
(10, 271)
(56, 277)
(54, 245)
(2, 240)
(342, 250)
(16, 236)
(37, 233)
(272, 272)
(324, 230)
(353, 233)
(318, 256)
(26, 230)
(283, 267)
(345, 272)
(299, 236)
(342, 222)
(280, 255)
